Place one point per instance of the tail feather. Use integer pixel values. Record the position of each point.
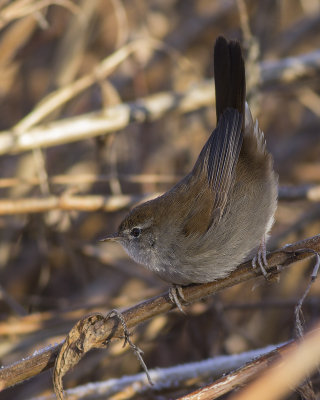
(230, 80)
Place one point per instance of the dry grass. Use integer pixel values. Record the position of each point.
(87, 65)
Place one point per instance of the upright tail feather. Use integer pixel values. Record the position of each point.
(229, 74)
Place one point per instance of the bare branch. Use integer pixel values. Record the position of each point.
(91, 203)
(20, 8)
(61, 96)
(133, 316)
(79, 203)
(166, 378)
(292, 362)
(286, 373)
(78, 179)
(239, 377)
(147, 109)
(302, 192)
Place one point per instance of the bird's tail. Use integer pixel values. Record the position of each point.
(230, 79)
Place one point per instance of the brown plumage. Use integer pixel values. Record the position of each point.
(216, 216)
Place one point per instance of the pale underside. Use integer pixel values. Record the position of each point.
(184, 253)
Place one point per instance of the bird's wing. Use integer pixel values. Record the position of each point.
(213, 173)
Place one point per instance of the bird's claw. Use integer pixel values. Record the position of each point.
(260, 259)
(175, 295)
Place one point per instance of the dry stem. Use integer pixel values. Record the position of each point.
(112, 203)
(149, 108)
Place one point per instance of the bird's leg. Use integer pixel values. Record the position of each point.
(176, 294)
(261, 258)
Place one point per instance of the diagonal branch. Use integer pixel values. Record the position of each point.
(280, 371)
(150, 108)
(148, 309)
(185, 375)
(241, 376)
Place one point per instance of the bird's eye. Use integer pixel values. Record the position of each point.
(135, 232)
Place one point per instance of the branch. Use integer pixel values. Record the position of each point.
(90, 203)
(149, 108)
(241, 376)
(287, 373)
(148, 309)
(81, 179)
(291, 363)
(66, 202)
(174, 377)
(58, 98)
(19, 9)
(301, 192)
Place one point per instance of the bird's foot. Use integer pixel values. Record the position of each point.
(260, 259)
(176, 295)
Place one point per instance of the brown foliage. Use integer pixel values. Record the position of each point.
(64, 66)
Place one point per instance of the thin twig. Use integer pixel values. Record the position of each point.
(298, 309)
(137, 351)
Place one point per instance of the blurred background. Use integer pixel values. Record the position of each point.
(53, 270)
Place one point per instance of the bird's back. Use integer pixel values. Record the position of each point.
(223, 226)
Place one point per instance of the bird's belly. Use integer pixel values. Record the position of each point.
(235, 237)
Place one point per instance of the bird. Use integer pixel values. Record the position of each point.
(221, 212)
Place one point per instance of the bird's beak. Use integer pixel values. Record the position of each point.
(111, 238)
